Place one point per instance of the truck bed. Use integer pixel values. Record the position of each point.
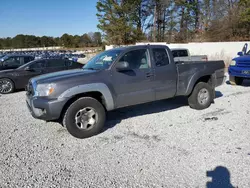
(188, 72)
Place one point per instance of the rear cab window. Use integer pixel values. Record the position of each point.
(180, 53)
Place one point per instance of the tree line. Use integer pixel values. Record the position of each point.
(128, 21)
(92, 39)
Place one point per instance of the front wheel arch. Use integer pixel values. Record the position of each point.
(96, 95)
(70, 117)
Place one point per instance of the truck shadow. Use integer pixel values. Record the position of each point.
(116, 116)
(220, 178)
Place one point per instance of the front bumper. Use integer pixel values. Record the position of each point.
(238, 71)
(44, 108)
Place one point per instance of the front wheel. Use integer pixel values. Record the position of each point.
(6, 86)
(84, 118)
(201, 97)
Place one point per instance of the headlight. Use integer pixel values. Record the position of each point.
(44, 90)
(233, 63)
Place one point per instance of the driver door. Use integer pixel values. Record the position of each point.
(134, 86)
(12, 62)
(35, 69)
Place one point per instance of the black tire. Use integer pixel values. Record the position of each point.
(9, 83)
(194, 100)
(69, 118)
(235, 80)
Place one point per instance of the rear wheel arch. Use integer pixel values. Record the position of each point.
(195, 80)
(201, 96)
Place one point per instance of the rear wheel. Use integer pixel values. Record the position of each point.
(201, 97)
(6, 86)
(84, 118)
(235, 80)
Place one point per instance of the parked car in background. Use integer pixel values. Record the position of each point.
(10, 80)
(81, 58)
(239, 69)
(14, 61)
(183, 54)
(1, 56)
(119, 78)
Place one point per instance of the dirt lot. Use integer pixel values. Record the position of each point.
(162, 144)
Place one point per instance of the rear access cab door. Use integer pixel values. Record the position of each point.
(165, 73)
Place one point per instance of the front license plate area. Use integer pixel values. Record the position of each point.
(246, 72)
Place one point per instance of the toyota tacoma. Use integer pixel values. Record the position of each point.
(117, 78)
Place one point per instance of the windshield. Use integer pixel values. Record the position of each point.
(4, 58)
(103, 60)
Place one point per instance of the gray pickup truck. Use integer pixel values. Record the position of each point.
(118, 78)
(183, 55)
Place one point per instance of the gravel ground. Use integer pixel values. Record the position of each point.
(163, 144)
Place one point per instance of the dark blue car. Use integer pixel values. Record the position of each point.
(239, 68)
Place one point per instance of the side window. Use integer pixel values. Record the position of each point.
(27, 59)
(180, 53)
(53, 63)
(137, 59)
(160, 57)
(13, 61)
(69, 63)
(37, 65)
(175, 53)
(183, 53)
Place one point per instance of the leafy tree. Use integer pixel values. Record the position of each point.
(76, 41)
(66, 40)
(97, 39)
(85, 40)
(18, 41)
(116, 21)
(245, 15)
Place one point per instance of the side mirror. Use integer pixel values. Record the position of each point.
(122, 66)
(240, 53)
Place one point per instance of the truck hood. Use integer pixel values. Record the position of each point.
(53, 77)
(242, 58)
